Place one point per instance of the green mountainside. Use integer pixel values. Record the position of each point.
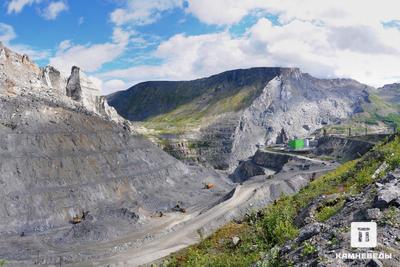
(160, 100)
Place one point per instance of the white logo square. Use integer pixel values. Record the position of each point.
(363, 234)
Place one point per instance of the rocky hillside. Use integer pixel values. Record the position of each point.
(312, 227)
(391, 93)
(221, 119)
(71, 169)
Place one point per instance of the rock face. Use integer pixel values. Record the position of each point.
(53, 78)
(390, 92)
(20, 76)
(74, 89)
(270, 160)
(342, 149)
(62, 159)
(279, 103)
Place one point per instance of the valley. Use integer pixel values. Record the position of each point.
(128, 179)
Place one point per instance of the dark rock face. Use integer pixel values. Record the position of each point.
(309, 231)
(270, 160)
(74, 89)
(282, 137)
(344, 149)
(246, 170)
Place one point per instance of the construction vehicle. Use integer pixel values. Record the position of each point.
(76, 219)
(209, 186)
(79, 218)
(179, 208)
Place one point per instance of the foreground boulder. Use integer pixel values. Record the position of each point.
(389, 191)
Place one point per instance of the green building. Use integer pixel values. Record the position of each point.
(296, 144)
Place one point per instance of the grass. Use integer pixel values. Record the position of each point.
(193, 114)
(308, 249)
(391, 217)
(3, 263)
(262, 231)
(329, 210)
(380, 111)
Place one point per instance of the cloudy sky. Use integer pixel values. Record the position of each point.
(123, 42)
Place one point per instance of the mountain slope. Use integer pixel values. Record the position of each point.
(221, 119)
(62, 159)
(390, 93)
(147, 100)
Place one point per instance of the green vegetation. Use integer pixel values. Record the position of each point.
(391, 217)
(191, 115)
(308, 249)
(380, 111)
(273, 226)
(3, 263)
(329, 209)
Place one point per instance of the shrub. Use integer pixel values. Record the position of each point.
(308, 249)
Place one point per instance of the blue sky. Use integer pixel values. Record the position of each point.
(121, 42)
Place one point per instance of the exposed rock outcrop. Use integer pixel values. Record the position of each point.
(342, 148)
(74, 89)
(318, 244)
(20, 76)
(388, 192)
(52, 77)
(61, 158)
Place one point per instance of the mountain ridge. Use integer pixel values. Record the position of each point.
(198, 115)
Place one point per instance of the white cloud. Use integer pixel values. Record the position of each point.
(64, 45)
(54, 9)
(114, 85)
(338, 12)
(7, 33)
(221, 12)
(141, 12)
(369, 54)
(16, 6)
(89, 57)
(33, 53)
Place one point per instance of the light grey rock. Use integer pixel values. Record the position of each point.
(389, 194)
(235, 240)
(373, 214)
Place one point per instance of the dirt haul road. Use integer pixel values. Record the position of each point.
(188, 227)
